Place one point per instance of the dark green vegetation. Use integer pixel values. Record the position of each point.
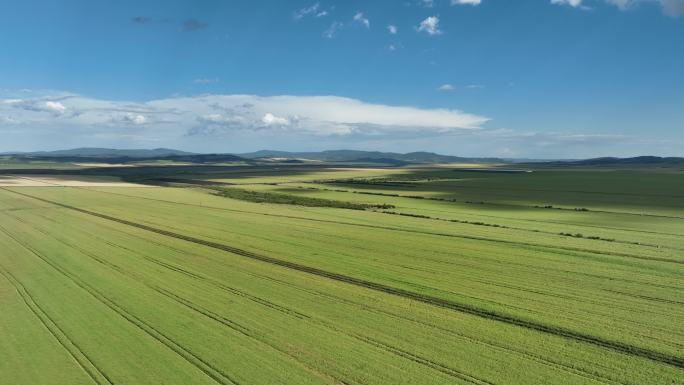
(443, 275)
(289, 199)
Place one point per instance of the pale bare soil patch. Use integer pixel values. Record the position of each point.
(62, 180)
(360, 169)
(103, 165)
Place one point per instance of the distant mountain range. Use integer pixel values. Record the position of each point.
(642, 160)
(109, 155)
(368, 156)
(90, 152)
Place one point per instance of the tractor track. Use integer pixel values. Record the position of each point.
(81, 358)
(215, 374)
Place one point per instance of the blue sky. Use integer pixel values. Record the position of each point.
(527, 78)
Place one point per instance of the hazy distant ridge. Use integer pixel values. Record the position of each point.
(340, 156)
(365, 156)
(90, 152)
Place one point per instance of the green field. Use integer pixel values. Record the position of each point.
(314, 275)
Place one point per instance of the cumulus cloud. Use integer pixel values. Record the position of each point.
(430, 26)
(361, 19)
(392, 29)
(207, 115)
(55, 107)
(271, 120)
(466, 2)
(136, 119)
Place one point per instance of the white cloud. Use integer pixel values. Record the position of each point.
(332, 30)
(392, 29)
(134, 119)
(430, 26)
(446, 87)
(175, 118)
(428, 3)
(312, 9)
(271, 120)
(360, 18)
(572, 3)
(51, 106)
(673, 8)
(622, 4)
(55, 107)
(466, 2)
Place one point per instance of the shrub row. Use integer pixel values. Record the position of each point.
(277, 198)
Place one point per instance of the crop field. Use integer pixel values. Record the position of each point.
(320, 275)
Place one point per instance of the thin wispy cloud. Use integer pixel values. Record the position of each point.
(205, 80)
(446, 88)
(313, 9)
(361, 19)
(571, 3)
(332, 30)
(466, 2)
(392, 29)
(673, 8)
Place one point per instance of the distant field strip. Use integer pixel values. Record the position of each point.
(465, 308)
(419, 197)
(427, 232)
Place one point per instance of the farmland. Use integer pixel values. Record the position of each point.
(340, 275)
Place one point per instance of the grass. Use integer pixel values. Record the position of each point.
(281, 283)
